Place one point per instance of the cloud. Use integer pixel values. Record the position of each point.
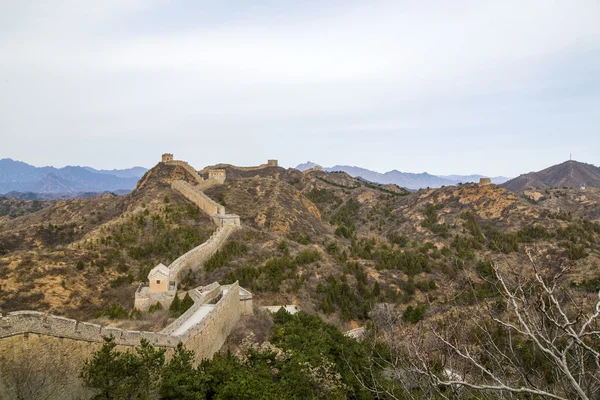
(160, 70)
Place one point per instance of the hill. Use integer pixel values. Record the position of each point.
(569, 174)
(333, 244)
(17, 176)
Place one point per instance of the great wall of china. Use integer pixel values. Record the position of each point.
(203, 328)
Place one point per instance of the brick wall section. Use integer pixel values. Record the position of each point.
(19, 322)
(205, 203)
(200, 254)
(200, 296)
(188, 168)
(207, 337)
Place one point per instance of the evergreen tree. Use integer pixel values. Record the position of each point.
(186, 303)
(175, 306)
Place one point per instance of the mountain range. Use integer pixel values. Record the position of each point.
(408, 180)
(17, 176)
(571, 174)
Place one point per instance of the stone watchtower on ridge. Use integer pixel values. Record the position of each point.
(218, 175)
(485, 181)
(272, 163)
(166, 157)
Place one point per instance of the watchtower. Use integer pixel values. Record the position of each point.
(485, 181)
(272, 163)
(218, 175)
(166, 157)
(158, 279)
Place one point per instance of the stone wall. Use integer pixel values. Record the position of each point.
(200, 296)
(206, 204)
(55, 348)
(207, 337)
(20, 322)
(316, 168)
(188, 168)
(46, 367)
(207, 184)
(199, 255)
(143, 300)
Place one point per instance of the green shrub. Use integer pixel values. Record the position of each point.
(155, 307)
(323, 196)
(115, 311)
(397, 238)
(431, 220)
(307, 256)
(225, 255)
(416, 314)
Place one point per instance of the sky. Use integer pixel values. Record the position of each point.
(495, 87)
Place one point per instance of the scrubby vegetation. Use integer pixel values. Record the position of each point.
(225, 255)
(307, 359)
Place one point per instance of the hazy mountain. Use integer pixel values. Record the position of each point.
(135, 172)
(17, 176)
(306, 165)
(404, 179)
(571, 174)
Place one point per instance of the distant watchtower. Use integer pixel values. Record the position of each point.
(485, 181)
(272, 163)
(166, 157)
(218, 175)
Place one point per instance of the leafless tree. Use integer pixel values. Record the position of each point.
(535, 339)
(33, 376)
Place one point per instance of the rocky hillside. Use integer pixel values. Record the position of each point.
(76, 257)
(570, 174)
(333, 244)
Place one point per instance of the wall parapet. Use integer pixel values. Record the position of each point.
(224, 315)
(206, 204)
(200, 254)
(229, 300)
(191, 170)
(200, 296)
(22, 322)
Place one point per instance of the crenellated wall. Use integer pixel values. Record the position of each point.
(54, 348)
(25, 322)
(187, 167)
(58, 346)
(200, 254)
(208, 336)
(206, 204)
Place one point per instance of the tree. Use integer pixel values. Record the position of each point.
(536, 340)
(175, 305)
(179, 378)
(186, 303)
(33, 375)
(124, 375)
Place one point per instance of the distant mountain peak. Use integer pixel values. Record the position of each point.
(18, 176)
(306, 165)
(570, 174)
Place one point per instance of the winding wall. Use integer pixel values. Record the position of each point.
(206, 204)
(188, 168)
(49, 351)
(58, 345)
(200, 254)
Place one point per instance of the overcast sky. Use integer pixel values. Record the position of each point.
(491, 87)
